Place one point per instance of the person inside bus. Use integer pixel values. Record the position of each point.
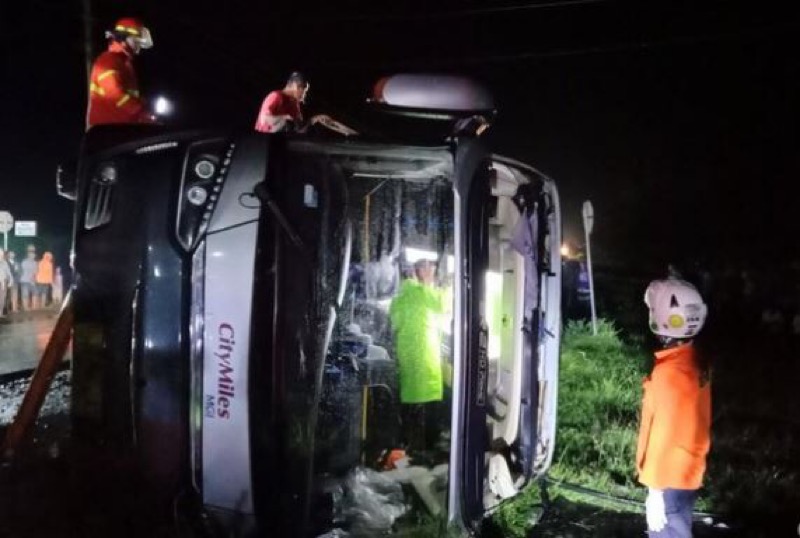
(416, 315)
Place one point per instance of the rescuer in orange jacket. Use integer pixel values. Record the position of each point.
(113, 88)
(675, 430)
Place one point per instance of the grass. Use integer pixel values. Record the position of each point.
(752, 470)
(599, 397)
(516, 517)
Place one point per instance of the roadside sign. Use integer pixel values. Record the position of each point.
(6, 222)
(588, 224)
(25, 228)
(588, 216)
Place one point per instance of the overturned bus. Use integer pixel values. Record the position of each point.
(233, 343)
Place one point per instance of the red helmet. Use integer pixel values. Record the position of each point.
(131, 27)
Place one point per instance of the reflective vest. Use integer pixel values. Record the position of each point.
(114, 90)
(675, 432)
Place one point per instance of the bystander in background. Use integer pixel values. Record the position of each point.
(44, 279)
(58, 287)
(12, 298)
(5, 281)
(27, 279)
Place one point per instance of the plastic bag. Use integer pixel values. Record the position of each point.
(369, 503)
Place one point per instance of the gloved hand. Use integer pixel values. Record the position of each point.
(656, 510)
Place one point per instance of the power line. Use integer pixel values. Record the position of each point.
(88, 53)
(460, 13)
(639, 505)
(246, 65)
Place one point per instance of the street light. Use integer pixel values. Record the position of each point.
(565, 252)
(162, 106)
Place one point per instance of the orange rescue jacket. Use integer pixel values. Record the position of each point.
(675, 432)
(44, 275)
(114, 90)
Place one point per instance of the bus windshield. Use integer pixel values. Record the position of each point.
(381, 438)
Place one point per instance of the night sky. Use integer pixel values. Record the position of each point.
(678, 120)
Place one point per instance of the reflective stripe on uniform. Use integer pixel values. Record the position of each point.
(128, 29)
(105, 74)
(124, 99)
(94, 88)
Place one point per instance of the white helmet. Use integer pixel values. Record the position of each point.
(676, 308)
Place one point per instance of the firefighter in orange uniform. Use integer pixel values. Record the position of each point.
(675, 430)
(113, 89)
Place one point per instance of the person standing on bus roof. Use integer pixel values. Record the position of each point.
(282, 109)
(114, 95)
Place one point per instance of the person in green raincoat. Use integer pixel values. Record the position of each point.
(416, 315)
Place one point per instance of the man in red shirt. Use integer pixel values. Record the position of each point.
(114, 89)
(281, 110)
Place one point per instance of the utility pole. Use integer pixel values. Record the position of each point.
(87, 38)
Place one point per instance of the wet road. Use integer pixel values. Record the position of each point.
(23, 338)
